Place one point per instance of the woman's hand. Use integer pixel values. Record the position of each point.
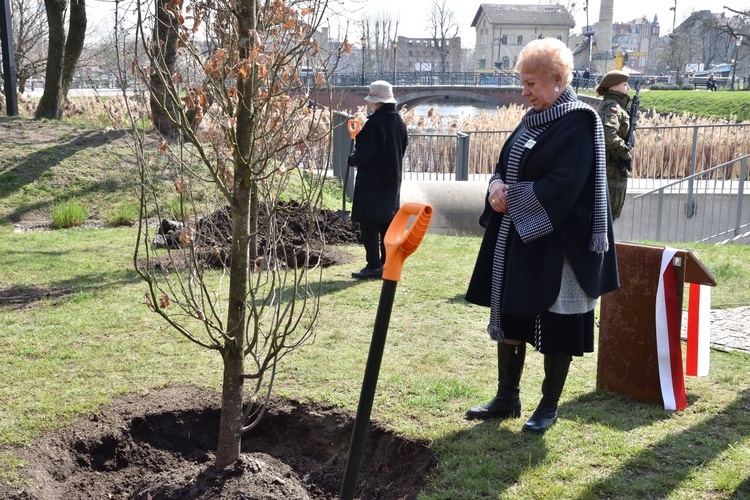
(498, 197)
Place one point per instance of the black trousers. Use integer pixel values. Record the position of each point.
(373, 236)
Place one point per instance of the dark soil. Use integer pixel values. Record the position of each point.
(161, 446)
(302, 236)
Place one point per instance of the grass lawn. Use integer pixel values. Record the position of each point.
(733, 106)
(726, 104)
(437, 363)
(90, 338)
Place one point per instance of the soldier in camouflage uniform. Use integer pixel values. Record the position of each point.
(616, 121)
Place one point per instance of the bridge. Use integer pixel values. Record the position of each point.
(413, 89)
(347, 99)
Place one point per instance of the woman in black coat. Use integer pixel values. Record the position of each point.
(378, 156)
(548, 249)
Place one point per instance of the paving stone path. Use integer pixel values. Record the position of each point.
(730, 328)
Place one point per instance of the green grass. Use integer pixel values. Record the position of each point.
(725, 104)
(438, 362)
(70, 213)
(44, 167)
(733, 106)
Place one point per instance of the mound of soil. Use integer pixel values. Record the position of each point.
(303, 236)
(161, 446)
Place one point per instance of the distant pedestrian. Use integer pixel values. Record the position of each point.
(711, 83)
(379, 152)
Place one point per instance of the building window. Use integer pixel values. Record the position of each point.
(506, 63)
(559, 37)
(519, 40)
(504, 40)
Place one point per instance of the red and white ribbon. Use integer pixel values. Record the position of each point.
(698, 331)
(669, 352)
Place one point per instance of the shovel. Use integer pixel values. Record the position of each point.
(398, 246)
(353, 126)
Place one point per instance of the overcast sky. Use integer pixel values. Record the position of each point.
(412, 14)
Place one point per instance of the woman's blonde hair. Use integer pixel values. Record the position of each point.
(548, 57)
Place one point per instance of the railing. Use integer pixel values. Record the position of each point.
(661, 153)
(706, 206)
(409, 78)
(688, 182)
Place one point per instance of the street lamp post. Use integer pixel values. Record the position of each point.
(738, 42)
(395, 46)
(363, 41)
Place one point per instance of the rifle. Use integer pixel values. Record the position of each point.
(625, 165)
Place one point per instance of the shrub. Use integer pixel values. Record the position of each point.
(688, 86)
(665, 86)
(69, 214)
(125, 215)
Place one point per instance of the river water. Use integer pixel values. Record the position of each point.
(447, 110)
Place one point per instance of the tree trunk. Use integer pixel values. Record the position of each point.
(50, 101)
(73, 46)
(62, 55)
(244, 216)
(163, 109)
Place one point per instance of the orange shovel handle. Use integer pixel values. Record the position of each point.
(353, 126)
(399, 244)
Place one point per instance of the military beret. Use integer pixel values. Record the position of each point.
(611, 79)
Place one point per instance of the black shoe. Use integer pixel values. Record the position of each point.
(541, 420)
(500, 407)
(368, 273)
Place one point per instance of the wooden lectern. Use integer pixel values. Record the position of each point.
(628, 362)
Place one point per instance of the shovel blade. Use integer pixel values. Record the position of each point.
(343, 214)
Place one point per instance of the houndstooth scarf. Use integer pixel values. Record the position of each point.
(536, 124)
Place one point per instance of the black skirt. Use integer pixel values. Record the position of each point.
(552, 333)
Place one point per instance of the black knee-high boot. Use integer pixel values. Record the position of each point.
(556, 368)
(506, 403)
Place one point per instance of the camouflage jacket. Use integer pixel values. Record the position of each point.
(613, 111)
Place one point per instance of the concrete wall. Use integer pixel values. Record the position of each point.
(458, 205)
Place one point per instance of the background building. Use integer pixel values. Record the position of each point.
(636, 39)
(424, 54)
(503, 29)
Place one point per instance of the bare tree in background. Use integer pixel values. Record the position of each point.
(380, 30)
(257, 301)
(443, 28)
(30, 29)
(727, 31)
(164, 48)
(677, 53)
(62, 54)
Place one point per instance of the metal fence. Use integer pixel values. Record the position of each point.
(664, 152)
(707, 206)
(411, 78)
(687, 183)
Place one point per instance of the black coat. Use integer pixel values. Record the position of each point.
(378, 156)
(561, 167)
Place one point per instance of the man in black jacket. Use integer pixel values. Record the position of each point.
(378, 156)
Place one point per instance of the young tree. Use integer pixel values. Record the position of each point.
(443, 27)
(62, 54)
(258, 138)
